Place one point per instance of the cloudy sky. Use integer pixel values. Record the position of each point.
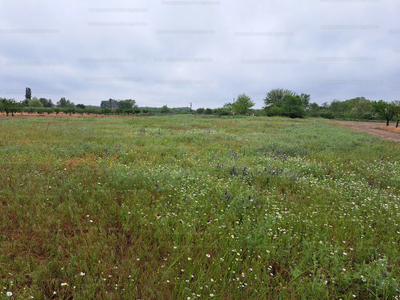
(200, 52)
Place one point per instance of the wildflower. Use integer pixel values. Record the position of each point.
(82, 274)
(211, 295)
(208, 255)
(232, 236)
(344, 253)
(64, 283)
(9, 294)
(189, 258)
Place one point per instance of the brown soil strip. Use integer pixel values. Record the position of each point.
(374, 128)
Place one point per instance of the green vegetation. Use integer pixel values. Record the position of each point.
(179, 206)
(243, 104)
(357, 108)
(280, 102)
(35, 103)
(9, 106)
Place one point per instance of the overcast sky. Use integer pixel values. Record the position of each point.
(203, 52)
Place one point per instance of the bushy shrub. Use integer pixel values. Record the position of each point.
(367, 116)
(208, 111)
(273, 111)
(222, 112)
(327, 115)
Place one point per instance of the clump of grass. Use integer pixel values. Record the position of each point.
(224, 208)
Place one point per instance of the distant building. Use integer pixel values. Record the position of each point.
(111, 104)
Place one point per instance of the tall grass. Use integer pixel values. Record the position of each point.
(189, 207)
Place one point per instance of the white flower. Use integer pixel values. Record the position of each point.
(9, 294)
(82, 274)
(208, 255)
(64, 283)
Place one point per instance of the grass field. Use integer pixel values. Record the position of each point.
(188, 207)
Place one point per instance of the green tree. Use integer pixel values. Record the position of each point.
(28, 93)
(35, 103)
(360, 109)
(208, 111)
(273, 111)
(293, 107)
(62, 103)
(228, 106)
(10, 106)
(165, 109)
(127, 104)
(242, 104)
(305, 99)
(396, 104)
(276, 97)
(313, 110)
(81, 106)
(200, 111)
(338, 108)
(384, 109)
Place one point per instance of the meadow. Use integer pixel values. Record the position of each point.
(195, 207)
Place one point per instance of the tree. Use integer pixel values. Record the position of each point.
(228, 106)
(208, 111)
(65, 103)
(45, 102)
(396, 104)
(242, 104)
(81, 106)
(384, 109)
(222, 112)
(338, 108)
(200, 111)
(62, 102)
(127, 104)
(35, 103)
(293, 107)
(313, 110)
(9, 106)
(273, 111)
(165, 109)
(28, 93)
(360, 109)
(305, 99)
(276, 97)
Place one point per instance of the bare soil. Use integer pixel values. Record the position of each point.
(374, 128)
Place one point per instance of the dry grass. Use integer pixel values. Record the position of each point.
(390, 128)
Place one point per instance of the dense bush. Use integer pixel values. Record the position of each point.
(327, 115)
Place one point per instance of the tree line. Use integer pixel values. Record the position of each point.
(278, 102)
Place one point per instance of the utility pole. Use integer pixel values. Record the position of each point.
(190, 106)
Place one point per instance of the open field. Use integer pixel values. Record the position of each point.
(189, 207)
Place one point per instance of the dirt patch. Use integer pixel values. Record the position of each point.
(373, 128)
